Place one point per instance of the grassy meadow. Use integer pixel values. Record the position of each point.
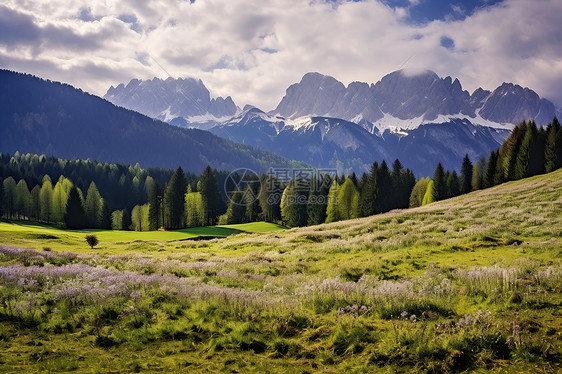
(472, 283)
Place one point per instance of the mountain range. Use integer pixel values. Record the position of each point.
(44, 117)
(177, 101)
(417, 117)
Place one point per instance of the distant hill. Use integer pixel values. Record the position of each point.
(40, 116)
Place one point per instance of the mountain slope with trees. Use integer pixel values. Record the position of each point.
(44, 117)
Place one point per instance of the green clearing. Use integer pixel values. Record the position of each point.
(38, 236)
(472, 283)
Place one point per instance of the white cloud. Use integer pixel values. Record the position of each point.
(254, 49)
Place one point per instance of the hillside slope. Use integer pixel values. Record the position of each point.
(44, 117)
(473, 283)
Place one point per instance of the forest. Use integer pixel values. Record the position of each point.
(77, 194)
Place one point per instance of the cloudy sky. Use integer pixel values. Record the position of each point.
(254, 49)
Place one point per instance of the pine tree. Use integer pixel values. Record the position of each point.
(478, 174)
(105, 215)
(251, 201)
(46, 200)
(154, 196)
(209, 189)
(317, 200)
(293, 204)
(127, 223)
(284, 204)
(236, 210)
(346, 200)
(193, 208)
(499, 176)
(490, 172)
(9, 197)
(332, 203)
(368, 199)
(22, 200)
(522, 158)
(136, 218)
(35, 203)
(1, 198)
(396, 194)
(60, 197)
(466, 176)
(509, 151)
(74, 216)
(553, 146)
(536, 158)
(383, 199)
(117, 220)
(174, 199)
(92, 206)
(439, 183)
(269, 199)
(453, 184)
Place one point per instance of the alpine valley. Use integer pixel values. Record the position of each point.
(417, 117)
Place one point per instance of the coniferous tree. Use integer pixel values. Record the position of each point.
(347, 198)
(499, 177)
(92, 206)
(105, 215)
(35, 203)
(536, 158)
(317, 200)
(209, 189)
(466, 176)
(251, 201)
(127, 222)
(523, 156)
(293, 204)
(235, 213)
(60, 198)
(117, 220)
(332, 203)
(403, 182)
(353, 178)
(368, 199)
(174, 199)
(1, 198)
(154, 197)
(453, 184)
(74, 216)
(478, 174)
(490, 172)
(269, 199)
(46, 200)
(9, 197)
(439, 183)
(193, 208)
(384, 189)
(22, 200)
(136, 218)
(509, 151)
(553, 146)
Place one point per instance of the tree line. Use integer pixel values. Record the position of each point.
(529, 150)
(158, 198)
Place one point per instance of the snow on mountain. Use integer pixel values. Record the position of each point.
(183, 102)
(402, 100)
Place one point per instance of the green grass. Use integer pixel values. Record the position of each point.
(35, 235)
(482, 273)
